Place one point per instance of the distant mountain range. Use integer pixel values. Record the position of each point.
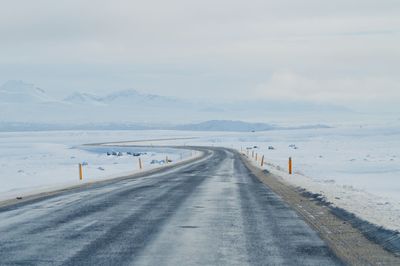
(239, 126)
(124, 97)
(26, 105)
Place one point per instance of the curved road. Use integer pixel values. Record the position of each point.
(210, 212)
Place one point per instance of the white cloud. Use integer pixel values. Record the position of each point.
(333, 49)
(292, 86)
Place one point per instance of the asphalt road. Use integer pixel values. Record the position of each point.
(211, 212)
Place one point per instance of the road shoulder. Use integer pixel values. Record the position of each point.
(347, 242)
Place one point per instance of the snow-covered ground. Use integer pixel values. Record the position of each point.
(33, 162)
(357, 167)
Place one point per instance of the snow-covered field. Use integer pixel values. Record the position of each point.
(357, 167)
(33, 162)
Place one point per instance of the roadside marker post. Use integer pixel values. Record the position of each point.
(80, 172)
(140, 164)
(252, 154)
(262, 160)
(290, 165)
(256, 157)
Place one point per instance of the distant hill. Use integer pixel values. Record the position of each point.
(213, 125)
(239, 126)
(16, 91)
(226, 125)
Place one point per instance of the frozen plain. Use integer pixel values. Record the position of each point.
(356, 167)
(34, 162)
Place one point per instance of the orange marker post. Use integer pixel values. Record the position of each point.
(290, 165)
(80, 172)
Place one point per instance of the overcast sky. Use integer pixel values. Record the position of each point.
(342, 51)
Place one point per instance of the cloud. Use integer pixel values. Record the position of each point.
(292, 86)
(206, 49)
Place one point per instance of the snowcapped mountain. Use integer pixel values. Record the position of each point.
(25, 103)
(123, 97)
(16, 91)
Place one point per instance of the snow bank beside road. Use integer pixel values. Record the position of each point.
(375, 209)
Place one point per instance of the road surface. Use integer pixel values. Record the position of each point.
(210, 212)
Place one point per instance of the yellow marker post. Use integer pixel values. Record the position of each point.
(140, 164)
(80, 172)
(262, 160)
(290, 165)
